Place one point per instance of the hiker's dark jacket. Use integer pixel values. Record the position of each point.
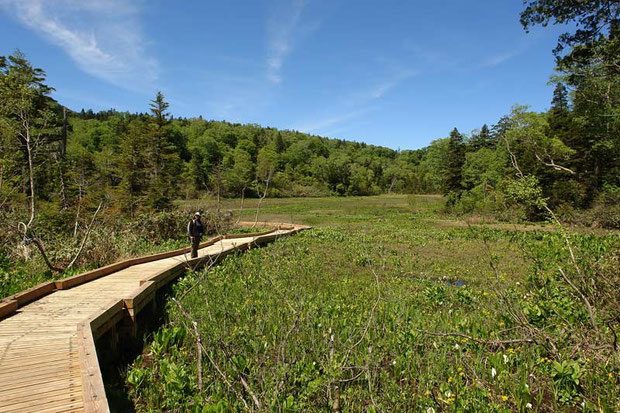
(194, 229)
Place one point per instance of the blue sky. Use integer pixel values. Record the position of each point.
(393, 73)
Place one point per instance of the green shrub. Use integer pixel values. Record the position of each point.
(522, 198)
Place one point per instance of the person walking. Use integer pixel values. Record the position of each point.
(195, 232)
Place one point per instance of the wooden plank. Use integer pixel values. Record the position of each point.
(96, 406)
(36, 369)
(70, 407)
(34, 379)
(42, 373)
(256, 234)
(162, 277)
(35, 405)
(33, 293)
(278, 225)
(21, 365)
(111, 311)
(42, 392)
(70, 282)
(93, 393)
(138, 295)
(7, 308)
(109, 269)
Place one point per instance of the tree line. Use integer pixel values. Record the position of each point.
(137, 162)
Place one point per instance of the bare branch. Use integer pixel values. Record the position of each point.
(90, 227)
(494, 343)
(553, 165)
(215, 366)
(262, 197)
(583, 298)
(50, 265)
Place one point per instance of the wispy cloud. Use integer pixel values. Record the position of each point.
(380, 88)
(281, 36)
(500, 58)
(356, 103)
(102, 37)
(323, 123)
(518, 48)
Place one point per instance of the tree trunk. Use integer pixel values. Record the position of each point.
(30, 173)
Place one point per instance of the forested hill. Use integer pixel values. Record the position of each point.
(233, 159)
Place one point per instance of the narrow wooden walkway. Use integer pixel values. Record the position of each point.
(47, 357)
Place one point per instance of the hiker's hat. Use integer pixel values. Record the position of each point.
(197, 214)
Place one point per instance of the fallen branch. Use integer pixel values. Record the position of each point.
(583, 298)
(41, 248)
(249, 390)
(198, 355)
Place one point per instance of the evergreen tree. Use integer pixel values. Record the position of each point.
(498, 131)
(163, 155)
(279, 143)
(133, 166)
(560, 116)
(455, 160)
(559, 103)
(482, 139)
(486, 137)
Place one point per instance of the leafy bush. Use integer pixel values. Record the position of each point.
(604, 213)
(522, 198)
(606, 209)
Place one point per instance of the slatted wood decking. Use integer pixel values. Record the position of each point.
(48, 360)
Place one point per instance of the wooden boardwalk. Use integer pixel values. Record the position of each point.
(48, 361)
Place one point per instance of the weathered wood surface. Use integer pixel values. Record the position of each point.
(48, 360)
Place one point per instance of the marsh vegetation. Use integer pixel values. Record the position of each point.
(383, 307)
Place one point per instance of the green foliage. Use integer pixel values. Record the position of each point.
(167, 382)
(164, 161)
(566, 375)
(455, 159)
(274, 316)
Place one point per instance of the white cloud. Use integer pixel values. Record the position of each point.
(508, 54)
(322, 124)
(379, 89)
(281, 36)
(102, 37)
(500, 58)
(357, 103)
